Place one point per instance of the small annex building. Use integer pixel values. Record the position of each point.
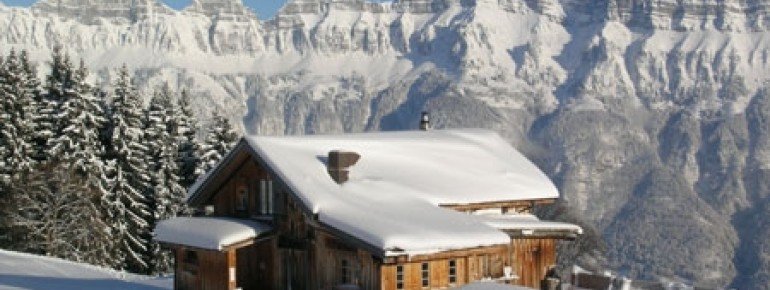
(376, 211)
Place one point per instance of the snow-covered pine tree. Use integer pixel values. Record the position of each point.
(165, 193)
(18, 89)
(5, 150)
(185, 130)
(28, 104)
(17, 93)
(8, 131)
(58, 87)
(127, 210)
(219, 140)
(76, 138)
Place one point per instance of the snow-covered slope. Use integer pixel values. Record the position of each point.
(25, 271)
(609, 96)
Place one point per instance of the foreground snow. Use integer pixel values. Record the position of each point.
(488, 285)
(26, 271)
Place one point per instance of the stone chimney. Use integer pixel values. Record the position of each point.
(338, 163)
(425, 121)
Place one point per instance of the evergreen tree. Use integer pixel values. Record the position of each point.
(166, 194)
(17, 92)
(58, 88)
(76, 139)
(126, 203)
(189, 147)
(219, 140)
(8, 131)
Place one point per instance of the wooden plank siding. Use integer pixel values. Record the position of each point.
(531, 259)
(207, 271)
(331, 254)
(254, 263)
(246, 176)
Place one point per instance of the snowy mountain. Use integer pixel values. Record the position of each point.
(650, 115)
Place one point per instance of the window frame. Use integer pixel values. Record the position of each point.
(266, 197)
(190, 262)
(452, 275)
(242, 196)
(399, 277)
(345, 269)
(425, 275)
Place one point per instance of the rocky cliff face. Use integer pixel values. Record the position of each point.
(652, 116)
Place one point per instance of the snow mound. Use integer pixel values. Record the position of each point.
(489, 285)
(27, 271)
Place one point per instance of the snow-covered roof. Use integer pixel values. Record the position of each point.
(391, 200)
(212, 233)
(526, 223)
(439, 167)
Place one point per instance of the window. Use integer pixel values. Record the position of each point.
(399, 277)
(452, 271)
(190, 257)
(242, 196)
(345, 267)
(425, 275)
(266, 196)
(190, 262)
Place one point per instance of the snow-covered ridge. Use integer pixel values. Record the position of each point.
(91, 12)
(219, 10)
(521, 49)
(693, 15)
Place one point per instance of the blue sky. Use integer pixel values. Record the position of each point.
(264, 8)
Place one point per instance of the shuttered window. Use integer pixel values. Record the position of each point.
(265, 196)
(399, 277)
(345, 267)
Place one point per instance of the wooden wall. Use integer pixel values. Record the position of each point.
(209, 272)
(330, 254)
(255, 266)
(248, 174)
(439, 274)
(531, 259)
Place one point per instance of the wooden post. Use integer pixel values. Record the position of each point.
(231, 271)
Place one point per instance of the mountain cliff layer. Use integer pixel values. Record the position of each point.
(651, 116)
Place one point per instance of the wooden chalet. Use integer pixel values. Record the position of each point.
(391, 211)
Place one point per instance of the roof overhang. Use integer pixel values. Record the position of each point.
(210, 233)
(529, 226)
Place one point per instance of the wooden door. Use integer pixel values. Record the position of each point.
(294, 268)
